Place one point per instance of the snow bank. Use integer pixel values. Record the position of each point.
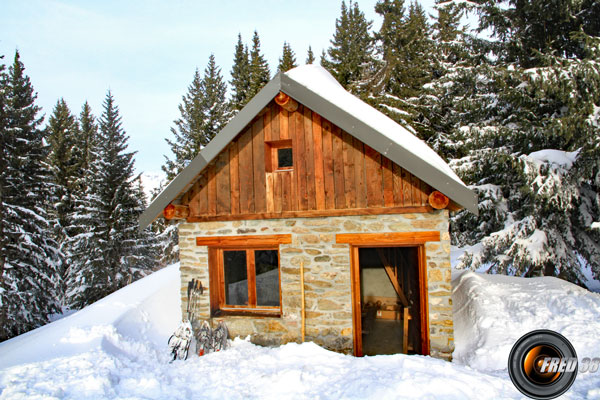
(116, 348)
(147, 310)
(492, 311)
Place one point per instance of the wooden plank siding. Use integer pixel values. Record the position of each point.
(333, 174)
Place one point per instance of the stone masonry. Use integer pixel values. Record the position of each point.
(326, 277)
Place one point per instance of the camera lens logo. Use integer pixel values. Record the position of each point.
(542, 364)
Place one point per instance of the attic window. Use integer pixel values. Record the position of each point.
(279, 156)
(285, 159)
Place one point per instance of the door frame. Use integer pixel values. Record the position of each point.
(370, 240)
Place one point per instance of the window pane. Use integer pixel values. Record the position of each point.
(267, 277)
(236, 278)
(284, 158)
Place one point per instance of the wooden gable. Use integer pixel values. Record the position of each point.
(333, 173)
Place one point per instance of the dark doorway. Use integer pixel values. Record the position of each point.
(390, 300)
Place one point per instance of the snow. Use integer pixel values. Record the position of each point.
(559, 157)
(317, 79)
(116, 348)
(595, 225)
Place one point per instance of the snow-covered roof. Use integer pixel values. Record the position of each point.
(315, 88)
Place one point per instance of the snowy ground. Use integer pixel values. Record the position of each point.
(116, 349)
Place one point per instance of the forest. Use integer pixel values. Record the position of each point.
(512, 104)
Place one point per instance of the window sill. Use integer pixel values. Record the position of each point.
(246, 313)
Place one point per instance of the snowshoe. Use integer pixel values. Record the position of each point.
(220, 336)
(204, 339)
(179, 342)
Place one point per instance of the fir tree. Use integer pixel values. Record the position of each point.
(240, 76)
(288, 58)
(351, 46)
(529, 29)
(28, 252)
(204, 112)
(214, 104)
(259, 69)
(310, 57)
(188, 130)
(112, 252)
(62, 133)
(85, 142)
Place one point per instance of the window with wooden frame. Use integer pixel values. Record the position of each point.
(245, 275)
(279, 155)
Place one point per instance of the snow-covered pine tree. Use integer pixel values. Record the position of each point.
(204, 112)
(112, 252)
(240, 76)
(310, 57)
(405, 47)
(29, 254)
(62, 132)
(529, 129)
(259, 68)
(85, 142)
(351, 47)
(215, 107)
(288, 58)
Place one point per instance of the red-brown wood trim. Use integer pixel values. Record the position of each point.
(312, 213)
(251, 274)
(356, 304)
(244, 241)
(424, 301)
(388, 239)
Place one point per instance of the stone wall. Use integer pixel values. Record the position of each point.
(326, 276)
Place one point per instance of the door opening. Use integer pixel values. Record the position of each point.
(390, 301)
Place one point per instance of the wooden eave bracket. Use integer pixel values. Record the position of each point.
(286, 102)
(176, 211)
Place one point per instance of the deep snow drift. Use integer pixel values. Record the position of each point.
(116, 348)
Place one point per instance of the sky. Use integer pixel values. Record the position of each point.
(146, 51)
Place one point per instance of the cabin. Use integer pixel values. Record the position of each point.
(314, 217)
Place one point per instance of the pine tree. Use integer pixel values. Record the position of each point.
(62, 133)
(188, 130)
(288, 58)
(29, 254)
(310, 57)
(204, 112)
(215, 108)
(535, 212)
(529, 29)
(112, 252)
(85, 142)
(351, 46)
(240, 76)
(259, 69)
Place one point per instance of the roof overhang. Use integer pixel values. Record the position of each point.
(450, 185)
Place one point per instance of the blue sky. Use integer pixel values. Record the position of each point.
(146, 52)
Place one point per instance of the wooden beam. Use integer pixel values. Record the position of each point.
(393, 238)
(310, 213)
(438, 200)
(286, 102)
(243, 241)
(393, 277)
(176, 211)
